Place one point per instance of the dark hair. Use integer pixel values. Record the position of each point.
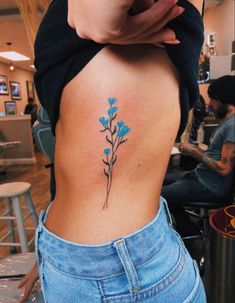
(222, 90)
(211, 94)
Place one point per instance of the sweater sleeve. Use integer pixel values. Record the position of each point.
(188, 28)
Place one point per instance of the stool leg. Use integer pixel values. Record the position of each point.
(31, 207)
(20, 224)
(10, 229)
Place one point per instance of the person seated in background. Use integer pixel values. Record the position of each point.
(31, 108)
(191, 134)
(211, 180)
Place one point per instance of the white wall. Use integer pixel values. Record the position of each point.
(220, 19)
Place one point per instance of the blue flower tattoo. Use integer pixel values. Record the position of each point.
(115, 138)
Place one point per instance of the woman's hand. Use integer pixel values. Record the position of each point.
(106, 21)
(28, 283)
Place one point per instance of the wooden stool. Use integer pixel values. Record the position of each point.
(10, 193)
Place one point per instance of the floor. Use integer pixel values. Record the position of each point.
(39, 177)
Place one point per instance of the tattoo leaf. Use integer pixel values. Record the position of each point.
(115, 129)
(106, 174)
(114, 117)
(115, 159)
(123, 141)
(107, 138)
(105, 162)
(103, 130)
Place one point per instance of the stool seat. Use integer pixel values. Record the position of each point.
(209, 205)
(13, 189)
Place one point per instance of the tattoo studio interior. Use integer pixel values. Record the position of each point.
(99, 158)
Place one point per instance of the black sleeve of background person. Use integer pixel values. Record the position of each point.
(60, 54)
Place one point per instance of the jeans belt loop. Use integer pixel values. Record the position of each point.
(134, 285)
(167, 212)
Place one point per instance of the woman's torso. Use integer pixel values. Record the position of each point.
(145, 83)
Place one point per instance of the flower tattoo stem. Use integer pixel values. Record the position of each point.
(116, 136)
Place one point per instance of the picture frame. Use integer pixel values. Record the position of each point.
(30, 90)
(3, 85)
(10, 108)
(15, 90)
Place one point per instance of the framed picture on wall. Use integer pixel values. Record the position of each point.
(15, 90)
(10, 108)
(3, 85)
(30, 90)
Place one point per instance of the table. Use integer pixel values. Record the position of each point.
(8, 145)
(17, 264)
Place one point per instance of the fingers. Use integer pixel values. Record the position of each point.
(165, 34)
(135, 32)
(160, 24)
(28, 283)
(27, 291)
(154, 14)
(22, 282)
(140, 5)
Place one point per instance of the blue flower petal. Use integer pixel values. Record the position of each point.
(104, 121)
(120, 124)
(123, 131)
(112, 110)
(112, 100)
(107, 151)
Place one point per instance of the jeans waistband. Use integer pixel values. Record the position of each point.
(103, 260)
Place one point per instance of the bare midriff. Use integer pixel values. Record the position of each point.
(145, 84)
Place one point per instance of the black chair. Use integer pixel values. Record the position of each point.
(201, 211)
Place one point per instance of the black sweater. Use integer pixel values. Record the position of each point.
(60, 55)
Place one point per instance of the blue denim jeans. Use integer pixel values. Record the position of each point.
(150, 265)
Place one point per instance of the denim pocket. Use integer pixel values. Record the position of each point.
(197, 294)
(60, 287)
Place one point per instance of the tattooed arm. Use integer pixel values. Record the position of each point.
(222, 167)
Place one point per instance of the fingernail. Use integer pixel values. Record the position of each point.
(176, 41)
(181, 9)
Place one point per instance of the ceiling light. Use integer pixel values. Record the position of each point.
(13, 56)
(12, 68)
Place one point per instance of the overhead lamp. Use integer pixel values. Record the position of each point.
(11, 68)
